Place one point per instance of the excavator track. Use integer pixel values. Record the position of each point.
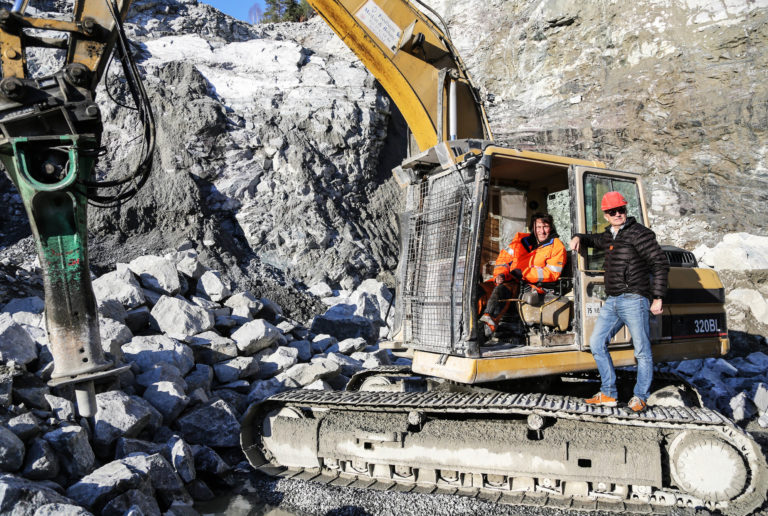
(520, 449)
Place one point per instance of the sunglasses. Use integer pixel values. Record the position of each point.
(614, 211)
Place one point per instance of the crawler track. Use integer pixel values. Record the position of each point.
(365, 439)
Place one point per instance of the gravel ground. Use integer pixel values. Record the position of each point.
(286, 496)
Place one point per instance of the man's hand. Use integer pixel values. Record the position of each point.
(499, 279)
(575, 243)
(656, 308)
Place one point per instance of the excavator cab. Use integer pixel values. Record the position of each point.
(465, 200)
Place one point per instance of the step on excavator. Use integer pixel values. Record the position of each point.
(504, 418)
(501, 419)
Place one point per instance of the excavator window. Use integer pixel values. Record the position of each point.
(595, 186)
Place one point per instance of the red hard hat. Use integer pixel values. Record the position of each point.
(612, 200)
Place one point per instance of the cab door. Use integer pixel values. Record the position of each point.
(588, 185)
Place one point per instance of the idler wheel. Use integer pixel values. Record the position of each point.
(707, 467)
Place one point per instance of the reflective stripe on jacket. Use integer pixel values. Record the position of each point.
(543, 262)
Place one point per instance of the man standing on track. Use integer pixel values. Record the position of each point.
(636, 272)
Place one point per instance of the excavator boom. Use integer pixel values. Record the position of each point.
(415, 62)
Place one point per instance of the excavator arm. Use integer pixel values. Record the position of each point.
(49, 143)
(416, 64)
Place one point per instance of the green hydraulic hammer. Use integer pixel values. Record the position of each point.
(51, 138)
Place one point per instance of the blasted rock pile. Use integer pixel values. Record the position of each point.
(166, 433)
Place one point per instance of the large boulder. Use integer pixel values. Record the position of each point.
(120, 286)
(236, 368)
(119, 415)
(11, 451)
(255, 336)
(73, 450)
(211, 286)
(209, 347)
(213, 424)
(169, 398)
(146, 351)
(19, 496)
(283, 358)
(341, 322)
(156, 273)
(41, 462)
(180, 317)
(15, 343)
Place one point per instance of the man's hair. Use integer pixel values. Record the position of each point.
(546, 217)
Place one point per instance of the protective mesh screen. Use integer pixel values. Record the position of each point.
(435, 264)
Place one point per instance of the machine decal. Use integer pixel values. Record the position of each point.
(380, 24)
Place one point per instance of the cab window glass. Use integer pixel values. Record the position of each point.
(595, 186)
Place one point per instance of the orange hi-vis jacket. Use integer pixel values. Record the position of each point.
(537, 263)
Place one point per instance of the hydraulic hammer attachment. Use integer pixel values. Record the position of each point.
(49, 143)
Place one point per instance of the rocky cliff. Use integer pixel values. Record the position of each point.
(275, 144)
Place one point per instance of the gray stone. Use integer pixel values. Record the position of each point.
(214, 424)
(197, 397)
(319, 385)
(120, 286)
(690, 367)
(759, 359)
(143, 503)
(25, 426)
(342, 323)
(15, 343)
(742, 407)
(372, 358)
(209, 347)
(304, 347)
(211, 286)
(182, 459)
(270, 309)
(278, 361)
(32, 304)
(168, 398)
(225, 323)
(349, 346)
(242, 312)
(255, 336)
(156, 273)
(236, 368)
(112, 309)
(137, 319)
(161, 372)
(724, 368)
(146, 351)
(244, 300)
(70, 442)
(62, 408)
(40, 462)
(760, 397)
(286, 326)
(190, 266)
(200, 378)
(348, 365)
(200, 491)
(305, 374)
(746, 368)
(20, 497)
(61, 509)
(113, 335)
(31, 391)
(321, 290)
(169, 488)
(94, 490)
(11, 451)
(125, 446)
(263, 389)
(177, 316)
(208, 461)
(322, 342)
(119, 415)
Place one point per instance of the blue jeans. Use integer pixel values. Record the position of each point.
(632, 310)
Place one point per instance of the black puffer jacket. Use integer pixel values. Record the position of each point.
(630, 259)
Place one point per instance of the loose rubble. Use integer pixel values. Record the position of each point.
(167, 432)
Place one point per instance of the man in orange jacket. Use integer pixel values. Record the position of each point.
(533, 257)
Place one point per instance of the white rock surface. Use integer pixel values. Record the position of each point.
(211, 286)
(156, 273)
(737, 251)
(120, 285)
(148, 350)
(180, 317)
(255, 336)
(15, 343)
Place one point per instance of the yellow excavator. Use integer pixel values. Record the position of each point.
(503, 418)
